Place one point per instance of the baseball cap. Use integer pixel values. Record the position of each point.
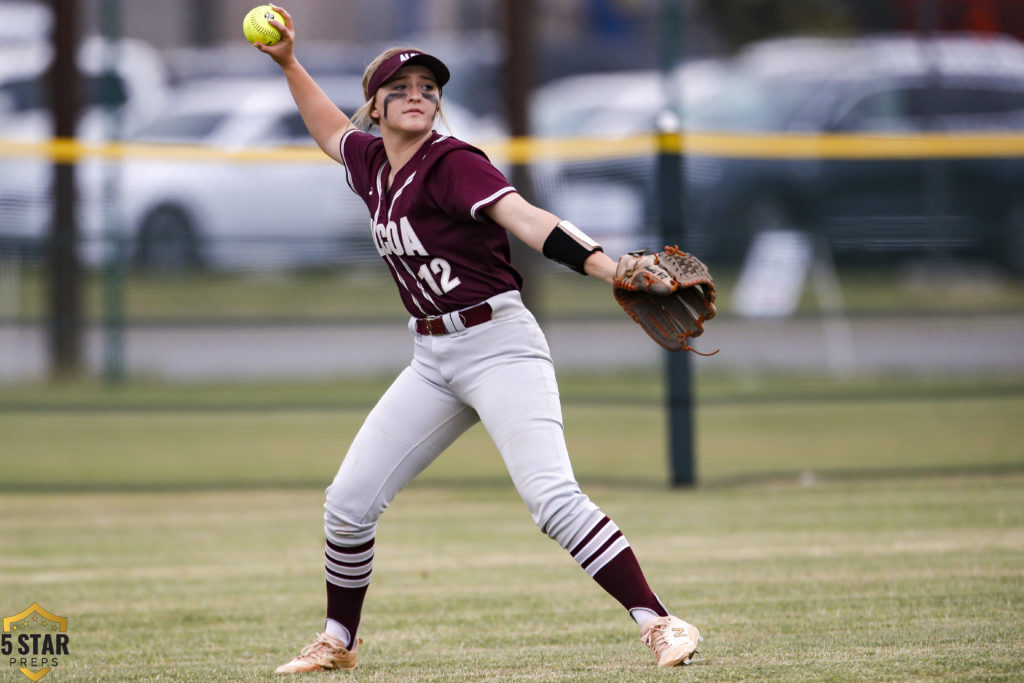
(392, 64)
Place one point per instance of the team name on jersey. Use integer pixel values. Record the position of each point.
(398, 239)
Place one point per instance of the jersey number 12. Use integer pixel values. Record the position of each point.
(445, 282)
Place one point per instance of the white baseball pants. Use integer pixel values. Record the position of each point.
(498, 372)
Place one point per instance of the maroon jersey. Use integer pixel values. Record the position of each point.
(443, 252)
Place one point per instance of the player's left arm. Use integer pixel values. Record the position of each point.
(543, 231)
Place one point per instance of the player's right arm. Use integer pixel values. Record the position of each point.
(324, 121)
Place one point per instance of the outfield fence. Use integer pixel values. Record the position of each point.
(293, 286)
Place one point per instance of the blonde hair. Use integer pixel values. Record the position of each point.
(361, 118)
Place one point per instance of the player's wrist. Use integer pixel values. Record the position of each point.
(601, 266)
(288, 62)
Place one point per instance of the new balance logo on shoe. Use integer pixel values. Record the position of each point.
(672, 640)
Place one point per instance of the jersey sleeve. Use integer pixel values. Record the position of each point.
(464, 181)
(357, 152)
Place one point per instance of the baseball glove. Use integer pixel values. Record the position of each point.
(670, 294)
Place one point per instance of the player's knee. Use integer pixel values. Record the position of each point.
(562, 517)
(347, 521)
(342, 528)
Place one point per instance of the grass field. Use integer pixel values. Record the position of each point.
(869, 530)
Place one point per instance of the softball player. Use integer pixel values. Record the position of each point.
(440, 214)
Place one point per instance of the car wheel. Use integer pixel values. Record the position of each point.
(167, 241)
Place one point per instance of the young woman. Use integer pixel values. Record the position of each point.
(440, 214)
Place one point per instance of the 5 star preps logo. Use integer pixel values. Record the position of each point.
(34, 640)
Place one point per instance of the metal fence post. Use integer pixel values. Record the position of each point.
(670, 203)
(65, 271)
(114, 242)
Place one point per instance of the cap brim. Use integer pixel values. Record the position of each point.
(438, 68)
(391, 66)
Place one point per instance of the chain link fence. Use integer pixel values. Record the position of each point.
(859, 203)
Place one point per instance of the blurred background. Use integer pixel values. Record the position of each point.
(851, 170)
(194, 323)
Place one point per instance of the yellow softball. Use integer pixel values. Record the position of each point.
(257, 28)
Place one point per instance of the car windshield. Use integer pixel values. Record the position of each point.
(743, 103)
(182, 127)
(564, 122)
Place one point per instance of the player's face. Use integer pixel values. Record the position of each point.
(409, 101)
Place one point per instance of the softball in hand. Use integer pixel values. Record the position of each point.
(257, 28)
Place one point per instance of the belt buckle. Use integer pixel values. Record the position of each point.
(427, 323)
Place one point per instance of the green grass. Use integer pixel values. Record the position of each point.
(869, 530)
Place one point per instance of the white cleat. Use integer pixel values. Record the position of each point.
(672, 640)
(325, 653)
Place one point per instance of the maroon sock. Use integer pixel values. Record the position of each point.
(348, 576)
(624, 581)
(606, 556)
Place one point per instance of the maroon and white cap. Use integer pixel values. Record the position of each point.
(392, 64)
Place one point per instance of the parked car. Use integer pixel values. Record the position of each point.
(182, 211)
(225, 214)
(970, 204)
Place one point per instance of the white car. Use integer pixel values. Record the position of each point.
(173, 209)
(213, 211)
